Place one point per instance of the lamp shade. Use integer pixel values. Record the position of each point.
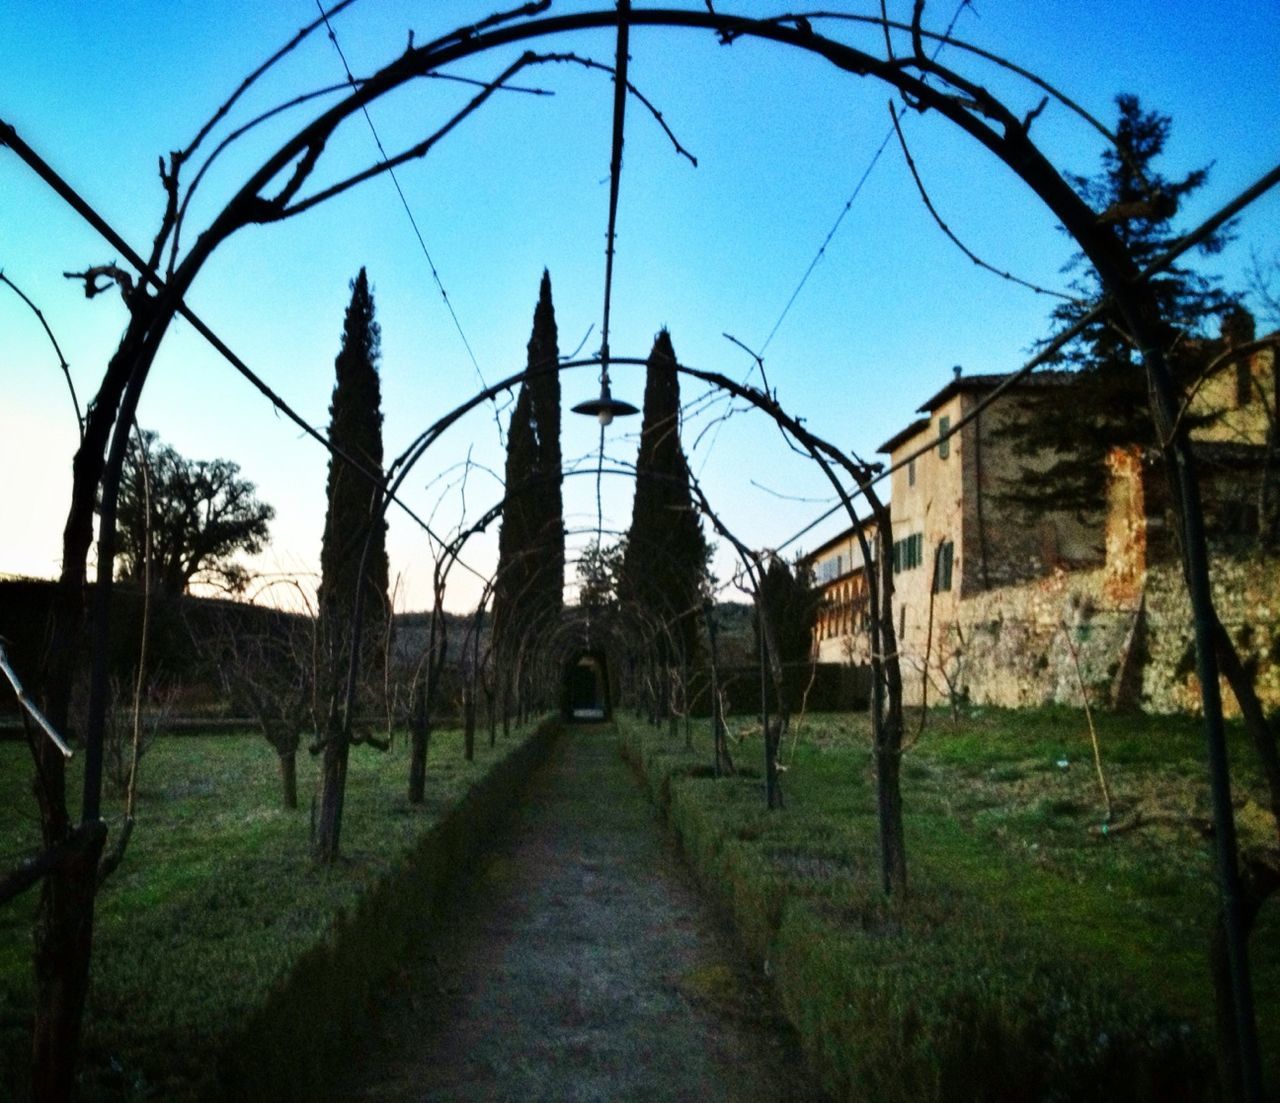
(605, 408)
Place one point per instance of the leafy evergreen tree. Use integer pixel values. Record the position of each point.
(355, 427)
(1108, 405)
(598, 575)
(664, 567)
(791, 602)
(544, 410)
(531, 539)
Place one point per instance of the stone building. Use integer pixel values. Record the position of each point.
(955, 532)
(1003, 605)
(840, 632)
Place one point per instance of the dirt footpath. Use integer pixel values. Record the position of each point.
(581, 966)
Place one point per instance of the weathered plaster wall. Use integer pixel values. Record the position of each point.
(1240, 397)
(1246, 593)
(1013, 646)
(1004, 542)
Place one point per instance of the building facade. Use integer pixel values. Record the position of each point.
(956, 530)
(840, 633)
(975, 562)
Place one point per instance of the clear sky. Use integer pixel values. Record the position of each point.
(101, 90)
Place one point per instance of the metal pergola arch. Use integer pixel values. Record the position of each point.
(973, 110)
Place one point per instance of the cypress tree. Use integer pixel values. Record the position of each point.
(665, 563)
(355, 427)
(352, 515)
(544, 410)
(790, 601)
(531, 538)
(1109, 404)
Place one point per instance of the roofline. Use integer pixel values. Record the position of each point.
(987, 382)
(914, 429)
(851, 532)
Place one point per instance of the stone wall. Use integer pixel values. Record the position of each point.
(1246, 593)
(1052, 640)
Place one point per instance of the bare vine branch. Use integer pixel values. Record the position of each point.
(590, 63)
(951, 236)
(62, 360)
(112, 275)
(413, 153)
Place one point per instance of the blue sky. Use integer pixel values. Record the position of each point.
(781, 140)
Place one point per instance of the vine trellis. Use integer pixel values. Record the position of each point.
(154, 293)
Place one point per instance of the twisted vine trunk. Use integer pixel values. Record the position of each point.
(333, 791)
(64, 941)
(289, 779)
(419, 742)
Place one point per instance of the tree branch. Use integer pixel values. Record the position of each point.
(937, 218)
(30, 872)
(62, 360)
(591, 63)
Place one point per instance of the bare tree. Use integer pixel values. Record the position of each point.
(274, 673)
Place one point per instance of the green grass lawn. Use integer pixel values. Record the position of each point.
(1011, 875)
(215, 899)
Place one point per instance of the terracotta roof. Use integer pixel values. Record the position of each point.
(868, 522)
(982, 383)
(918, 426)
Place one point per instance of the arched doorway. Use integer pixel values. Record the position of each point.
(585, 696)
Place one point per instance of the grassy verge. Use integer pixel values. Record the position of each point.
(222, 954)
(1035, 958)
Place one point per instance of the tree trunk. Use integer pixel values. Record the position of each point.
(893, 851)
(289, 778)
(770, 728)
(684, 701)
(469, 724)
(333, 788)
(672, 719)
(715, 699)
(773, 784)
(888, 747)
(64, 939)
(419, 742)
(1257, 883)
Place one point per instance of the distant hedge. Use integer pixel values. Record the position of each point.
(822, 687)
(181, 631)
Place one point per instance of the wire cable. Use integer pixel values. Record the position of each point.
(875, 157)
(404, 202)
(9, 137)
(1182, 245)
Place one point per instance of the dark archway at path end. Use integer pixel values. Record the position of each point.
(585, 688)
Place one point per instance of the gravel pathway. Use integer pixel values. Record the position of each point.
(581, 965)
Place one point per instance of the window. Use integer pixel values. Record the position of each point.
(831, 568)
(944, 441)
(1244, 381)
(908, 552)
(942, 567)
(911, 473)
